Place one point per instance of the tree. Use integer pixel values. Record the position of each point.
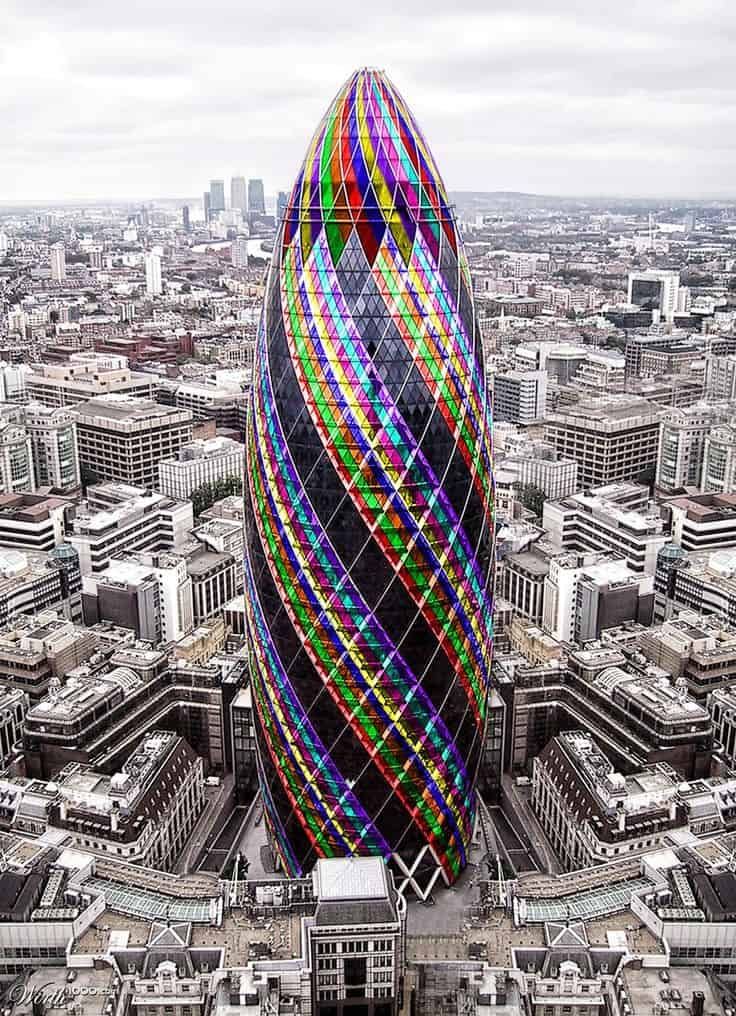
(206, 495)
(531, 496)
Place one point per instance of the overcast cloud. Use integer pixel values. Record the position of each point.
(150, 98)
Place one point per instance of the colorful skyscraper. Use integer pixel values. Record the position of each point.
(370, 500)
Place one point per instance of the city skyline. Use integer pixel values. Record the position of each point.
(580, 102)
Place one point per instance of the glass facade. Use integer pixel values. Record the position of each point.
(369, 505)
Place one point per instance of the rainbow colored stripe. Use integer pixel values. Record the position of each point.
(368, 287)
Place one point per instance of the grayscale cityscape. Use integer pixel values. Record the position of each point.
(368, 510)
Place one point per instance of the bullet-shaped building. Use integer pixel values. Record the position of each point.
(369, 515)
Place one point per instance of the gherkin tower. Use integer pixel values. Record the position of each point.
(369, 507)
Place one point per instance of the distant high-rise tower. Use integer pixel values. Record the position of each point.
(238, 198)
(281, 200)
(185, 218)
(3, 245)
(206, 206)
(217, 196)
(58, 262)
(239, 252)
(256, 198)
(153, 274)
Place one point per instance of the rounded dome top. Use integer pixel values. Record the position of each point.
(368, 159)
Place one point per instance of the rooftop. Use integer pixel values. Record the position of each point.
(350, 878)
(116, 411)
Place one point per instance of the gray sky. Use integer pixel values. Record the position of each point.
(153, 97)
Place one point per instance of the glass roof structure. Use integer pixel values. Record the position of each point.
(587, 906)
(151, 906)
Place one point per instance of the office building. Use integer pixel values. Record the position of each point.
(206, 209)
(154, 285)
(143, 814)
(520, 579)
(519, 396)
(722, 707)
(13, 381)
(58, 263)
(38, 648)
(634, 713)
(683, 437)
(53, 434)
(612, 439)
(200, 462)
(537, 464)
(124, 439)
(590, 812)
(85, 376)
(238, 194)
(703, 521)
(720, 377)
(719, 459)
(4, 244)
(601, 373)
(584, 594)
(16, 458)
(221, 399)
(148, 593)
(147, 521)
(185, 219)
(696, 648)
(13, 708)
(559, 360)
(281, 203)
(382, 631)
(31, 582)
(704, 582)
(32, 521)
(239, 252)
(217, 197)
(594, 522)
(102, 714)
(256, 198)
(215, 581)
(653, 355)
(655, 290)
(202, 643)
